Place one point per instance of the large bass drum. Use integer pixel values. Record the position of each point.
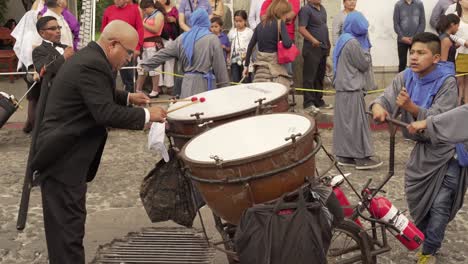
(252, 160)
(224, 105)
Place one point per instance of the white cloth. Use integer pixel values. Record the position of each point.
(27, 38)
(156, 138)
(254, 14)
(67, 35)
(239, 43)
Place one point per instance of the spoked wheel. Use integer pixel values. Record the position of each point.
(347, 246)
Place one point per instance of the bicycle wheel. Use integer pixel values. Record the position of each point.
(347, 246)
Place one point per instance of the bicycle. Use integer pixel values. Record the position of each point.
(351, 241)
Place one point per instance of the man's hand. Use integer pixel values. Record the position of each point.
(36, 76)
(315, 43)
(245, 72)
(407, 40)
(417, 126)
(171, 19)
(68, 52)
(379, 113)
(328, 68)
(157, 114)
(138, 98)
(404, 101)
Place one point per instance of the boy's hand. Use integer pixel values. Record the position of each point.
(406, 40)
(417, 126)
(379, 113)
(403, 100)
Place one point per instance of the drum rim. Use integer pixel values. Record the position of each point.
(251, 158)
(221, 117)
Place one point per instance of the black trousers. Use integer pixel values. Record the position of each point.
(127, 76)
(313, 73)
(64, 210)
(402, 56)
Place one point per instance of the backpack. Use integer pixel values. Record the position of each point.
(167, 194)
(284, 232)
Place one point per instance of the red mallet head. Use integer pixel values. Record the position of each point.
(202, 99)
(194, 99)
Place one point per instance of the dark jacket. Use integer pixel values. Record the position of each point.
(45, 55)
(81, 103)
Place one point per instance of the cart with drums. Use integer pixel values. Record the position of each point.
(245, 146)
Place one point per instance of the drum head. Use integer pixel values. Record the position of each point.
(228, 100)
(246, 138)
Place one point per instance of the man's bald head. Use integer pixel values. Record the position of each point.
(119, 41)
(121, 31)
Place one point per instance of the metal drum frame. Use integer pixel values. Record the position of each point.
(231, 187)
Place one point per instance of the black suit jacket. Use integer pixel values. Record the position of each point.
(46, 54)
(82, 102)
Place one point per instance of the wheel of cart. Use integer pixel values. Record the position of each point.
(354, 242)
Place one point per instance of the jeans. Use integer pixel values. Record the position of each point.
(402, 56)
(127, 77)
(236, 73)
(315, 64)
(436, 221)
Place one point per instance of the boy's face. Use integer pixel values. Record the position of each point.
(215, 28)
(422, 59)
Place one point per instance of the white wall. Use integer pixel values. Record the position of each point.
(383, 38)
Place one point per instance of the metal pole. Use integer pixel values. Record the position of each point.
(93, 18)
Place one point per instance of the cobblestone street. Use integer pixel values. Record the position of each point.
(114, 207)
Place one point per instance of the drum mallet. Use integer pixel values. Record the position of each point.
(201, 100)
(174, 100)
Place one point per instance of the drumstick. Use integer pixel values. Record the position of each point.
(193, 99)
(201, 100)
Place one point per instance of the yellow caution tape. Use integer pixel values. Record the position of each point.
(301, 89)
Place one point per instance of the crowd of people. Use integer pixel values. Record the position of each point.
(72, 107)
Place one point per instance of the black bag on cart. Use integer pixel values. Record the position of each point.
(167, 194)
(7, 109)
(296, 232)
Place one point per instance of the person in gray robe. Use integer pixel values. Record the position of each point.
(352, 144)
(434, 182)
(200, 54)
(448, 127)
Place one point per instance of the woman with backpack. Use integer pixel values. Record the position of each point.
(267, 35)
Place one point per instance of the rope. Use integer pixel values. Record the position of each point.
(232, 83)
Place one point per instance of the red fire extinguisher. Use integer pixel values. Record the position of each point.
(409, 234)
(344, 202)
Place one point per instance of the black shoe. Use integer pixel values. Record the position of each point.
(342, 161)
(367, 164)
(28, 127)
